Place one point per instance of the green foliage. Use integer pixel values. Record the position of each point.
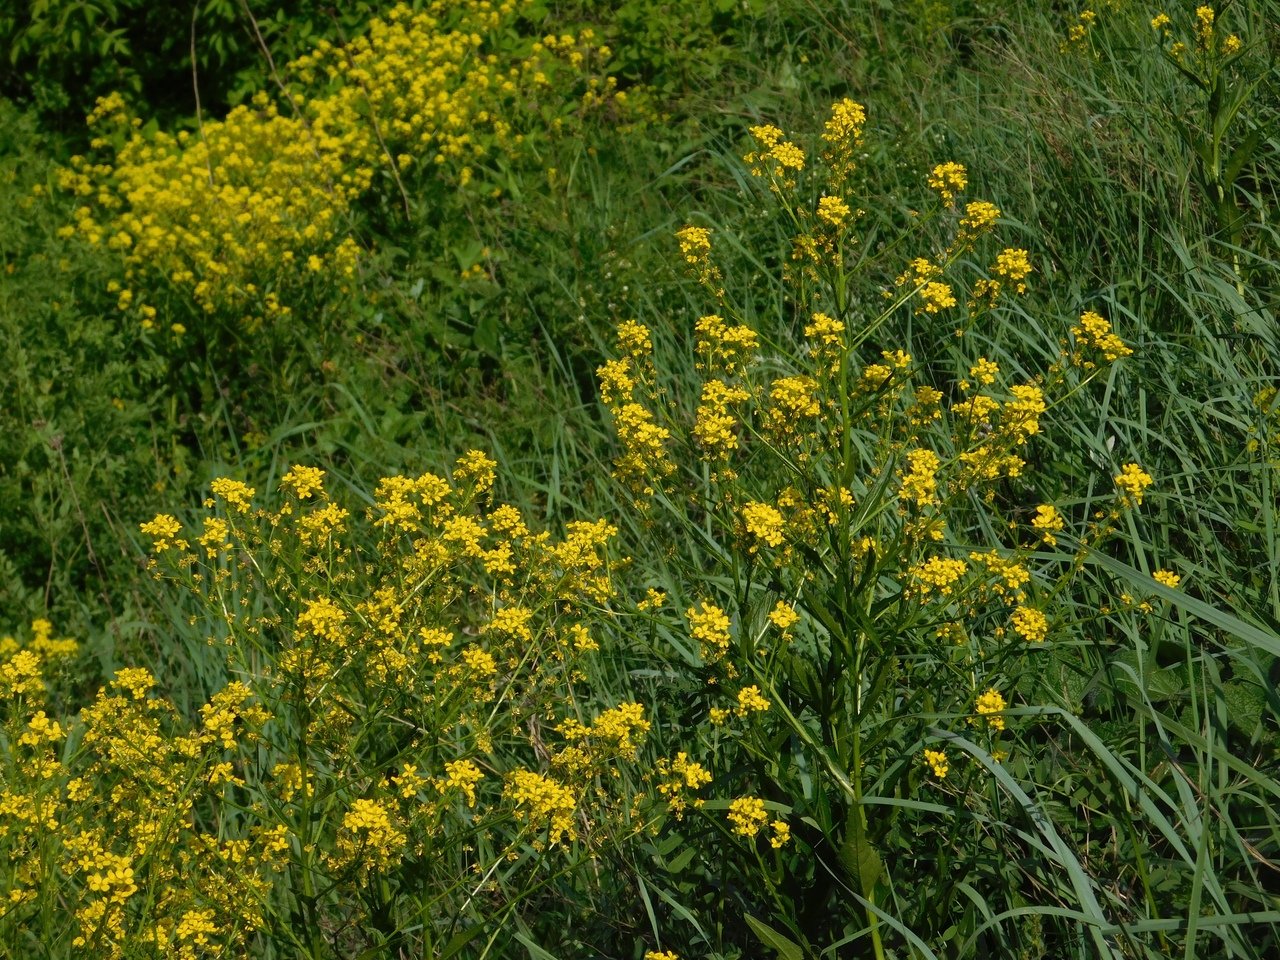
(78, 453)
(1143, 188)
(64, 54)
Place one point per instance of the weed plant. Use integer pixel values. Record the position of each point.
(1130, 814)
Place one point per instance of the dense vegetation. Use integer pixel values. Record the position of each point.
(718, 479)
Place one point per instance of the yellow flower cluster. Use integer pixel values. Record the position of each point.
(764, 523)
(865, 483)
(117, 822)
(1011, 269)
(750, 701)
(695, 249)
(1132, 482)
(948, 179)
(709, 625)
(990, 705)
(1030, 624)
(543, 803)
(748, 816)
(1048, 522)
(937, 575)
(920, 478)
(1203, 28)
(1094, 332)
(842, 139)
(775, 157)
(679, 777)
(783, 616)
(370, 837)
(644, 455)
(393, 683)
(937, 761)
(248, 212)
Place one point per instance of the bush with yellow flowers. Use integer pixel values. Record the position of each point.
(410, 742)
(252, 217)
(866, 589)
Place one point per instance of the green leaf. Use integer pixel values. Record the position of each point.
(857, 854)
(535, 951)
(460, 940)
(1240, 156)
(786, 949)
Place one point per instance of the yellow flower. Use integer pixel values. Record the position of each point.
(1094, 331)
(937, 761)
(783, 616)
(842, 134)
(476, 467)
(781, 834)
(709, 625)
(543, 803)
(234, 493)
(984, 371)
(948, 179)
(1014, 266)
(750, 701)
(676, 778)
(215, 536)
(1204, 26)
(303, 481)
(979, 217)
(163, 530)
(937, 574)
(695, 243)
(936, 297)
(833, 210)
(990, 705)
(764, 522)
(1031, 624)
(919, 480)
(370, 837)
(1132, 482)
(1168, 578)
(747, 816)
(461, 775)
(1048, 522)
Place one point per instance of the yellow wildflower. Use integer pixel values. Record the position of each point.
(937, 761)
(747, 816)
(750, 701)
(1132, 482)
(764, 522)
(781, 834)
(1048, 522)
(990, 705)
(948, 179)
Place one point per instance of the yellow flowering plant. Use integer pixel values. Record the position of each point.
(408, 744)
(248, 220)
(864, 551)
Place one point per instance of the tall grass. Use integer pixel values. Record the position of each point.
(1145, 796)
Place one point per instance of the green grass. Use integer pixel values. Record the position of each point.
(1149, 777)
